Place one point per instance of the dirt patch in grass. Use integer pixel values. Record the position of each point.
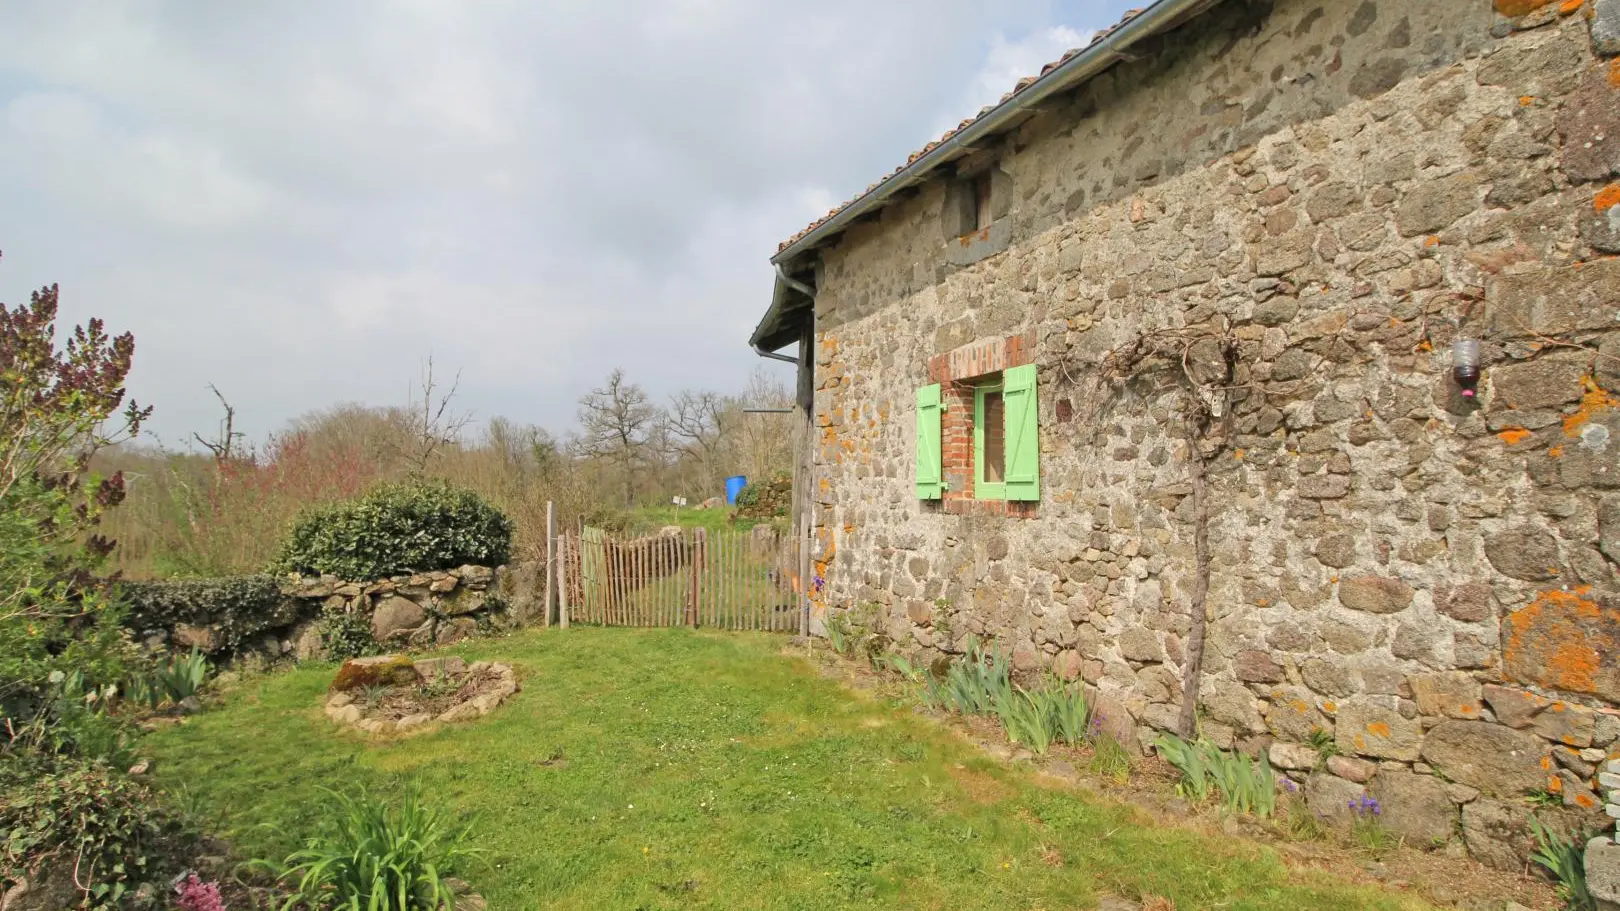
(980, 786)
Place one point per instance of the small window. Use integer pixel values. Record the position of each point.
(983, 214)
(990, 441)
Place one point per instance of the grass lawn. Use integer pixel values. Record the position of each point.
(706, 770)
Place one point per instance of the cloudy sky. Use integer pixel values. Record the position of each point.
(300, 201)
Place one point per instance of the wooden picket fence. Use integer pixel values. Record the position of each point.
(731, 579)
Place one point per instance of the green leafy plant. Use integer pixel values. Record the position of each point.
(71, 717)
(371, 854)
(59, 404)
(1109, 758)
(1541, 797)
(1245, 785)
(1069, 711)
(237, 608)
(182, 676)
(1047, 714)
(398, 528)
(1323, 742)
(1192, 761)
(977, 683)
(1299, 823)
(1565, 860)
(1368, 826)
(1026, 720)
(84, 820)
(838, 633)
(371, 696)
(347, 635)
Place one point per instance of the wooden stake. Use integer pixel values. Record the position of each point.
(551, 562)
(562, 590)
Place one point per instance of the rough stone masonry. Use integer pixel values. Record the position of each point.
(1343, 189)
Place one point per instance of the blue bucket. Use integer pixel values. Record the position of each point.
(734, 486)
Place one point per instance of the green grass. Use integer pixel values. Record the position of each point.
(652, 518)
(665, 769)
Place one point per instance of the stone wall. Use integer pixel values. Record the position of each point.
(421, 610)
(1429, 581)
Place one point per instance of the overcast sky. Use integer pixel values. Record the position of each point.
(299, 202)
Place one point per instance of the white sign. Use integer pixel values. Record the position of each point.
(679, 501)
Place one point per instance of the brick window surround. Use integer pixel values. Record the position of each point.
(957, 372)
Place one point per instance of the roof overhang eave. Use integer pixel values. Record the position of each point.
(1160, 17)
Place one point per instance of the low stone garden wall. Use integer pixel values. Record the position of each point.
(285, 617)
(392, 694)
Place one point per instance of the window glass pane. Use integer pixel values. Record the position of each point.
(995, 437)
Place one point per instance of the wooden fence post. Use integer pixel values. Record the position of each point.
(551, 563)
(806, 583)
(699, 537)
(562, 577)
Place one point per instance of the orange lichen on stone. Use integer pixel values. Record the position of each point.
(1526, 100)
(1378, 729)
(1570, 7)
(1519, 7)
(1594, 402)
(1546, 763)
(1330, 707)
(1559, 641)
(1513, 436)
(1608, 197)
(1433, 240)
(1585, 801)
(1614, 72)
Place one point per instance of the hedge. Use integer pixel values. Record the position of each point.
(397, 528)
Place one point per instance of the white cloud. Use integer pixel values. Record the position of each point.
(300, 201)
(1008, 61)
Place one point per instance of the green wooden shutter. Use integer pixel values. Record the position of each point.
(1023, 434)
(930, 478)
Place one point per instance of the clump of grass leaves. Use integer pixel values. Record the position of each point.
(1245, 785)
(980, 683)
(1565, 859)
(371, 854)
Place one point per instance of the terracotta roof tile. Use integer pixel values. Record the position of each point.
(1022, 85)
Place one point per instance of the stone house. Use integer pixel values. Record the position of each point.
(1177, 316)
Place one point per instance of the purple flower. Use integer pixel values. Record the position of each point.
(819, 583)
(1365, 806)
(1288, 783)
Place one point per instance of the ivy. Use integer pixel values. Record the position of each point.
(237, 608)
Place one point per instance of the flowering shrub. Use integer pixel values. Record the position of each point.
(196, 895)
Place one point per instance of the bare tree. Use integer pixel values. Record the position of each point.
(700, 425)
(223, 445)
(763, 443)
(616, 421)
(430, 422)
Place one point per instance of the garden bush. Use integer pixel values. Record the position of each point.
(398, 528)
(768, 499)
(238, 608)
(81, 828)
